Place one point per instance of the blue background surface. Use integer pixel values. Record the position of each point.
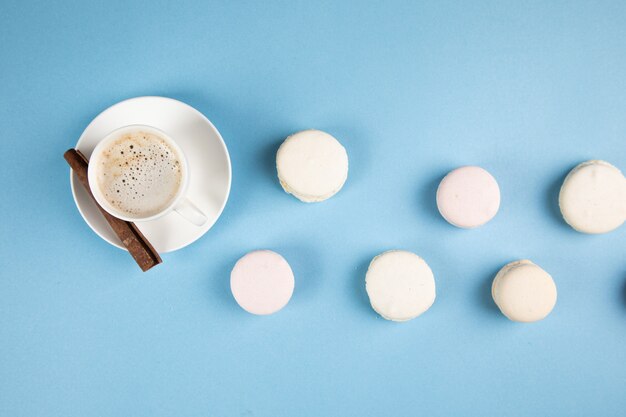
(412, 89)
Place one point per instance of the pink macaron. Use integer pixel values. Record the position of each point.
(468, 197)
(262, 282)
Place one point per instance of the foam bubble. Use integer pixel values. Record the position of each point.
(139, 174)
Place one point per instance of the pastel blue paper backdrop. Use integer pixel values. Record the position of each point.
(412, 89)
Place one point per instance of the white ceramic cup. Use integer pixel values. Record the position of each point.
(180, 204)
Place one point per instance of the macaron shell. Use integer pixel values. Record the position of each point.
(524, 292)
(400, 285)
(262, 282)
(468, 197)
(593, 198)
(312, 165)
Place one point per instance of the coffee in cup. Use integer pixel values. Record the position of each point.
(138, 173)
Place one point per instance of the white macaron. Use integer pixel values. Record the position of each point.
(312, 165)
(400, 285)
(593, 197)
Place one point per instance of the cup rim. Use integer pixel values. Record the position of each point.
(95, 188)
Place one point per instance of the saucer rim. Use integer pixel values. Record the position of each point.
(116, 242)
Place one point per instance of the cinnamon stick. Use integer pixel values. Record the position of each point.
(136, 243)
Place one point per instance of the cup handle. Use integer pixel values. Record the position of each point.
(190, 212)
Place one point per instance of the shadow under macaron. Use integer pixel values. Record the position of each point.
(268, 158)
(427, 198)
(552, 200)
(357, 286)
(484, 292)
(623, 293)
(219, 286)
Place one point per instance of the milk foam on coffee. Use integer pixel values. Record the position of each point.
(139, 174)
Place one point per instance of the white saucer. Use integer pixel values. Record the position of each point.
(209, 166)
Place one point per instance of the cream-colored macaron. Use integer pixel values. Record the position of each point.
(312, 165)
(524, 292)
(593, 197)
(400, 285)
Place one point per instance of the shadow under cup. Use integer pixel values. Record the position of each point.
(138, 173)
